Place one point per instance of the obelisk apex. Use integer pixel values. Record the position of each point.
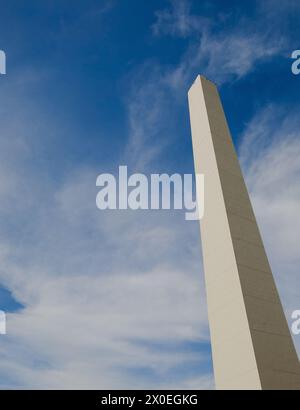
(251, 343)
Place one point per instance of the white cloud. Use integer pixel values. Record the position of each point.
(222, 54)
(110, 298)
(177, 20)
(92, 332)
(148, 111)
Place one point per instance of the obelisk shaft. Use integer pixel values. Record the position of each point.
(251, 344)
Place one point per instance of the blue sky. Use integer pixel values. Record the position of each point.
(116, 299)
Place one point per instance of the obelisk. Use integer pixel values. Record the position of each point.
(252, 346)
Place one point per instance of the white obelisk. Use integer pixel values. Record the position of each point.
(251, 343)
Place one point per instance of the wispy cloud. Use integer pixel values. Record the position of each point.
(177, 20)
(111, 299)
(221, 52)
